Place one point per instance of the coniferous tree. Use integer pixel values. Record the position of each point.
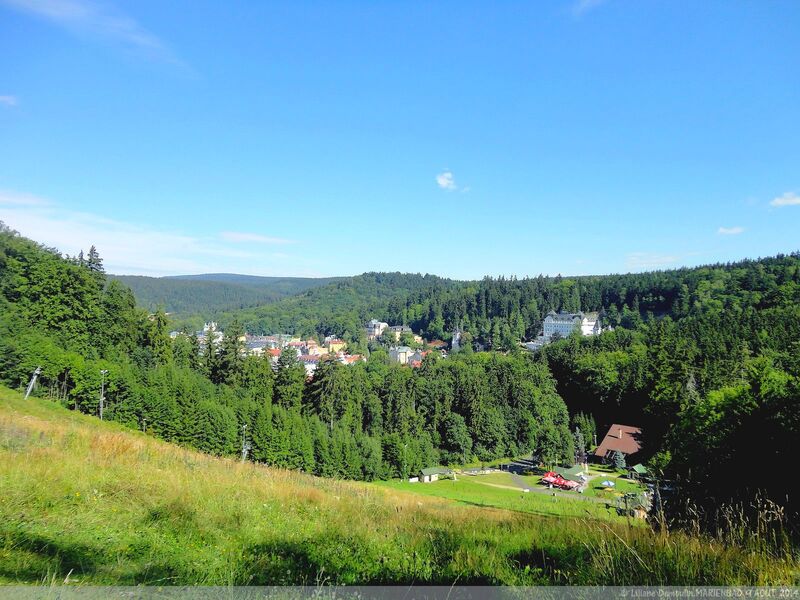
(618, 460)
(289, 380)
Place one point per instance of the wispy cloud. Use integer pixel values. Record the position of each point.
(637, 261)
(8, 198)
(9, 100)
(237, 236)
(139, 249)
(581, 7)
(730, 230)
(89, 18)
(788, 199)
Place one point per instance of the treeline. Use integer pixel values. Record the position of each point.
(363, 421)
(498, 313)
(341, 308)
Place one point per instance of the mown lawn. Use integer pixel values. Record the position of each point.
(85, 502)
(474, 491)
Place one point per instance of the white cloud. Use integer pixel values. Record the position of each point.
(16, 199)
(138, 249)
(236, 236)
(9, 100)
(446, 181)
(89, 18)
(638, 261)
(581, 7)
(788, 199)
(730, 230)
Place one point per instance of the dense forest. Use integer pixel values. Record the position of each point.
(204, 295)
(705, 360)
(365, 421)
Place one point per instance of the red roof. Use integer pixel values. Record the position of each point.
(624, 438)
(415, 364)
(274, 351)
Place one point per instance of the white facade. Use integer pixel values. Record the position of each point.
(375, 328)
(564, 324)
(401, 354)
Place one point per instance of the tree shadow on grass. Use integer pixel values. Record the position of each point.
(59, 559)
(336, 559)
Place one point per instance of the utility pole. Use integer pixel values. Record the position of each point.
(244, 443)
(103, 373)
(32, 382)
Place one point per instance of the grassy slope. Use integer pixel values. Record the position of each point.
(92, 502)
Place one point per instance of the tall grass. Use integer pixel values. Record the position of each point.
(89, 502)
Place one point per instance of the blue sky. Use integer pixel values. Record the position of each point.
(456, 138)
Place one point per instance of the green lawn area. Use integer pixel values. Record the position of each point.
(470, 490)
(622, 486)
(531, 481)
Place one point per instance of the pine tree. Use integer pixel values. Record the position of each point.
(618, 460)
(289, 380)
(231, 355)
(93, 260)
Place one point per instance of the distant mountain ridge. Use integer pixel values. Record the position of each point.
(212, 292)
(259, 280)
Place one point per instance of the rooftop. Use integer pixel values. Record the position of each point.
(624, 438)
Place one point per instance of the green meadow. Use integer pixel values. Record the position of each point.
(485, 491)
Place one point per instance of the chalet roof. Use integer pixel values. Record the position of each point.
(624, 438)
(402, 349)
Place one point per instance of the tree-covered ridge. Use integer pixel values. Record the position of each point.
(363, 421)
(205, 295)
(341, 308)
(704, 360)
(499, 312)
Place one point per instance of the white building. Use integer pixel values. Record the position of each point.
(310, 362)
(375, 328)
(563, 324)
(401, 354)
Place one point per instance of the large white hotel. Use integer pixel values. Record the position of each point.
(564, 324)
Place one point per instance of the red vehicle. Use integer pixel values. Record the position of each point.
(554, 479)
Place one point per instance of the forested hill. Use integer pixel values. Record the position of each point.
(499, 313)
(374, 419)
(705, 360)
(342, 307)
(206, 294)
